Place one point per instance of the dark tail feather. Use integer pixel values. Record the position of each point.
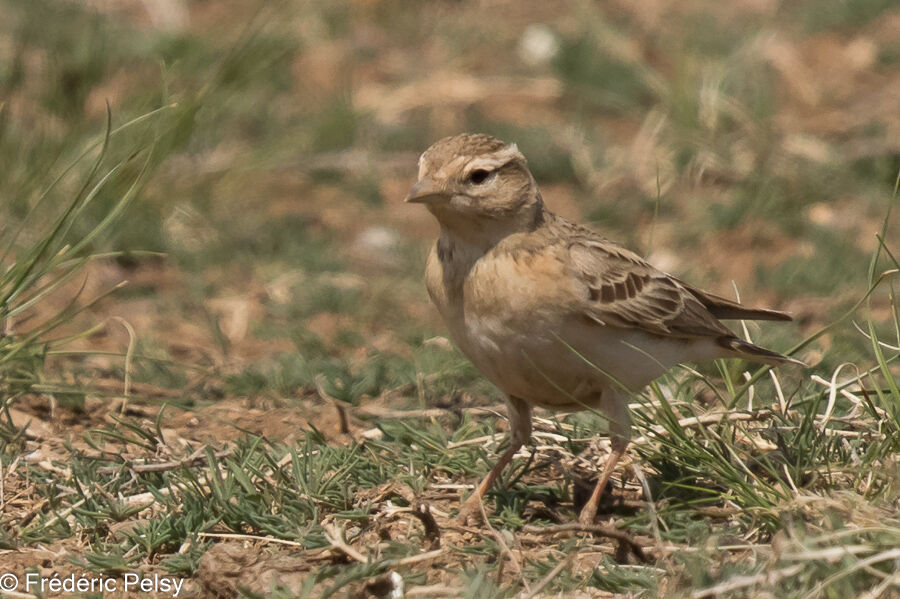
(738, 313)
(727, 309)
(756, 353)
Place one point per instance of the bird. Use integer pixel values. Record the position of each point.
(551, 312)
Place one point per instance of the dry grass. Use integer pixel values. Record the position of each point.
(269, 407)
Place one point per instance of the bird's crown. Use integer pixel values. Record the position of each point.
(467, 152)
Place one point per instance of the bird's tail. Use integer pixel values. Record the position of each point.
(756, 353)
(721, 307)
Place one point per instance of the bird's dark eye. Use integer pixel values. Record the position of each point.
(479, 176)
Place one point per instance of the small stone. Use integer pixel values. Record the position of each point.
(538, 45)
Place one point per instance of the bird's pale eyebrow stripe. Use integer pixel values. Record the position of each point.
(453, 167)
(486, 164)
(496, 160)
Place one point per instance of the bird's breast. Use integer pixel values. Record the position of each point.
(517, 287)
(513, 311)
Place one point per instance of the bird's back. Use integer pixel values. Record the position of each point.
(559, 313)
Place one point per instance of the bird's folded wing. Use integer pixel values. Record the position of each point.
(721, 307)
(619, 288)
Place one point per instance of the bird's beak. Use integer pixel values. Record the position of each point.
(425, 192)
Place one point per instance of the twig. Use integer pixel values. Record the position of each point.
(476, 440)
(412, 559)
(61, 515)
(435, 590)
(197, 456)
(832, 393)
(751, 391)
(288, 457)
(782, 402)
(496, 436)
(451, 486)
(790, 480)
(869, 337)
(380, 412)
(391, 414)
(596, 529)
(228, 535)
(845, 393)
(707, 419)
(337, 542)
(133, 500)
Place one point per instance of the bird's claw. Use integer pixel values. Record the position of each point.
(470, 514)
(587, 516)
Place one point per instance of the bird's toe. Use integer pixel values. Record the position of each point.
(470, 514)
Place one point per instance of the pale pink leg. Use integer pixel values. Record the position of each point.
(589, 511)
(615, 406)
(519, 414)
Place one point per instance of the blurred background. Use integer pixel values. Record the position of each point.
(250, 192)
(756, 142)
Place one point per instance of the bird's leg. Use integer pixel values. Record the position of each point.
(519, 414)
(615, 406)
(471, 509)
(589, 511)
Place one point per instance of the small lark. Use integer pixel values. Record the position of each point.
(552, 313)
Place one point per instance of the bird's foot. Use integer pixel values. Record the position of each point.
(471, 513)
(588, 515)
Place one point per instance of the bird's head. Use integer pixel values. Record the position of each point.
(475, 184)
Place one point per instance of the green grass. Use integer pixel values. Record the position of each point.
(231, 182)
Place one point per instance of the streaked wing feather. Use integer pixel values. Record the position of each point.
(623, 290)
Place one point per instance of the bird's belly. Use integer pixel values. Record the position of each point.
(631, 358)
(567, 366)
(530, 362)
